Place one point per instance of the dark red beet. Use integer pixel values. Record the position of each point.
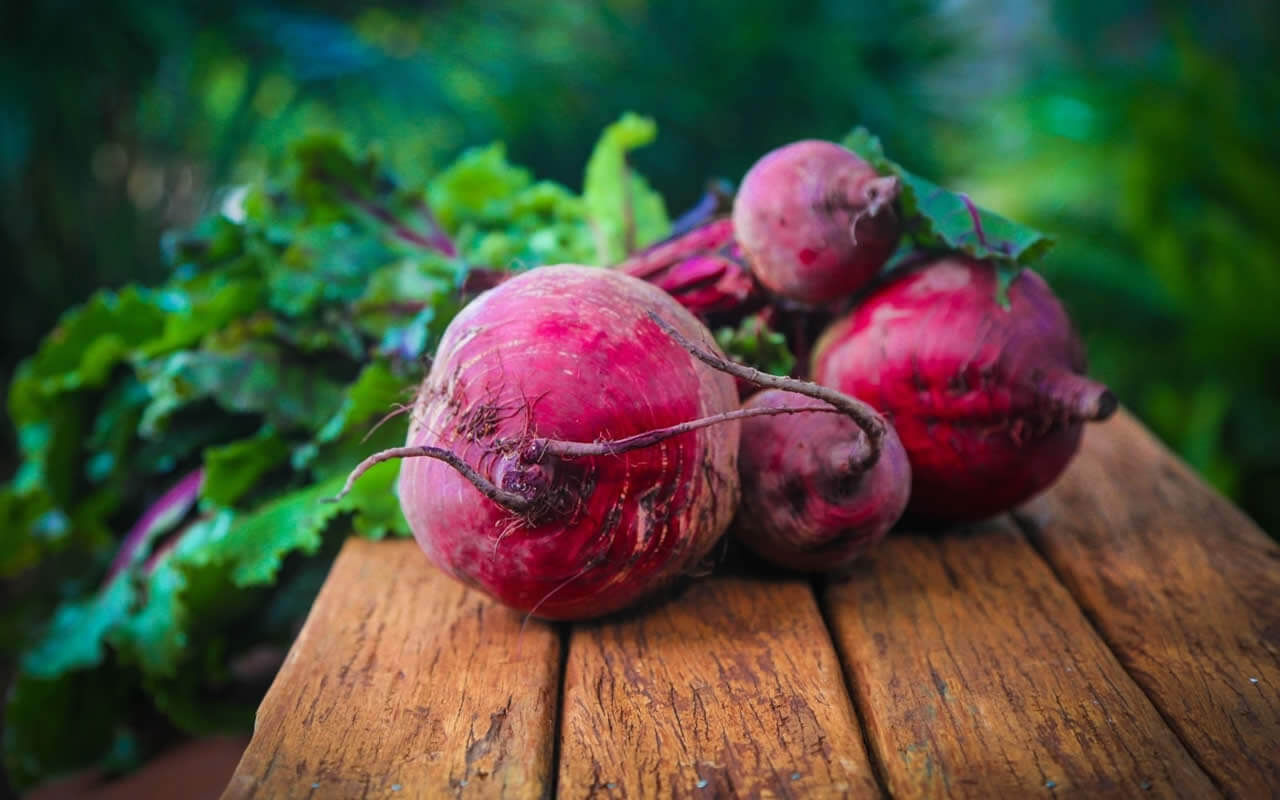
(989, 403)
(808, 501)
(815, 221)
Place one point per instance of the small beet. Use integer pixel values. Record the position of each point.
(989, 402)
(815, 221)
(810, 502)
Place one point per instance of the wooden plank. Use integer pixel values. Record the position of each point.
(403, 683)
(732, 690)
(1183, 587)
(978, 676)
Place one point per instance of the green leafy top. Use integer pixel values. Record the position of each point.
(295, 320)
(626, 213)
(941, 219)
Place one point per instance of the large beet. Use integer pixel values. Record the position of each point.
(989, 402)
(569, 354)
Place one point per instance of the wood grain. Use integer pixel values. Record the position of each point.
(978, 676)
(1183, 587)
(733, 690)
(403, 683)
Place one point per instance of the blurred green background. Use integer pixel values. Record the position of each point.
(1141, 134)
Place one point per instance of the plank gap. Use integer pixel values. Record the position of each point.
(819, 586)
(403, 682)
(730, 689)
(1029, 530)
(1182, 586)
(564, 630)
(979, 677)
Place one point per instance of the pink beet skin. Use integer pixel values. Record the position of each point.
(568, 353)
(815, 221)
(989, 403)
(807, 503)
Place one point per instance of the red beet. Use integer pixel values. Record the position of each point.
(815, 221)
(810, 501)
(989, 402)
(568, 353)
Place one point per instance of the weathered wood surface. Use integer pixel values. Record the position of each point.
(732, 690)
(405, 684)
(1121, 640)
(979, 677)
(1184, 588)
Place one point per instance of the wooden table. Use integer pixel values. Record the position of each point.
(1119, 637)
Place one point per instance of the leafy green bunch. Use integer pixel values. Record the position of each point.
(167, 528)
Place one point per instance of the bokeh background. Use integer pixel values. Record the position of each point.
(1141, 134)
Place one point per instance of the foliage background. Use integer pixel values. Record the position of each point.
(1141, 134)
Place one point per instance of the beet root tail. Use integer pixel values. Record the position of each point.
(510, 500)
(1081, 398)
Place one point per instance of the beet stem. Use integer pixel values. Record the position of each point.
(977, 219)
(183, 493)
(510, 500)
(864, 415)
(717, 200)
(702, 240)
(565, 449)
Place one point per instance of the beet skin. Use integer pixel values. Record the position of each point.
(815, 221)
(568, 353)
(808, 504)
(990, 403)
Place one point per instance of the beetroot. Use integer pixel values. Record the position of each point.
(815, 221)
(809, 502)
(989, 402)
(567, 353)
